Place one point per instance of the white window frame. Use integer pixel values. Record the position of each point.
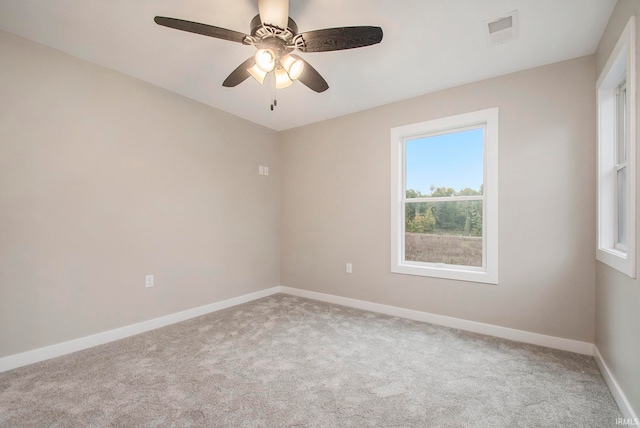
(620, 68)
(488, 273)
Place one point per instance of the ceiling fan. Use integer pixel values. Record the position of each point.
(276, 37)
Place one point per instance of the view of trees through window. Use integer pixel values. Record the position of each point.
(444, 232)
(442, 224)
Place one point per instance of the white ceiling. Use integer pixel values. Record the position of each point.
(428, 45)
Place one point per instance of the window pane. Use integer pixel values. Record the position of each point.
(622, 205)
(445, 165)
(444, 232)
(622, 124)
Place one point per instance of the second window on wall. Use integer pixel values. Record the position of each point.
(617, 156)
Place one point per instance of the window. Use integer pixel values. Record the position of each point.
(444, 197)
(617, 157)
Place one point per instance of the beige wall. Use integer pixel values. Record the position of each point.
(336, 205)
(104, 179)
(617, 295)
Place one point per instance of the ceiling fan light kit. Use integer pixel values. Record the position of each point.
(276, 37)
(287, 70)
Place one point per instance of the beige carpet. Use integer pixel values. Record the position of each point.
(284, 361)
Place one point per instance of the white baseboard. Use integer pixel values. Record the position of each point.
(618, 395)
(18, 360)
(476, 327)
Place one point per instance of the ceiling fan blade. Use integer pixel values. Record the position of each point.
(335, 39)
(240, 74)
(204, 29)
(274, 12)
(311, 78)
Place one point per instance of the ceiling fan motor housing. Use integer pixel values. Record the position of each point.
(258, 30)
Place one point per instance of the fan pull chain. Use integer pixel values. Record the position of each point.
(274, 101)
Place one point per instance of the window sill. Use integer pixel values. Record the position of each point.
(468, 274)
(618, 260)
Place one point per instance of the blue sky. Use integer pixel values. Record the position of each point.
(450, 160)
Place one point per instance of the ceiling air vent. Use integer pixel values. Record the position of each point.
(503, 29)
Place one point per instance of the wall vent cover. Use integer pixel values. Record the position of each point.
(503, 29)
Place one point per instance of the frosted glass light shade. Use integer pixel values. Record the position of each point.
(294, 67)
(257, 73)
(265, 59)
(282, 79)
